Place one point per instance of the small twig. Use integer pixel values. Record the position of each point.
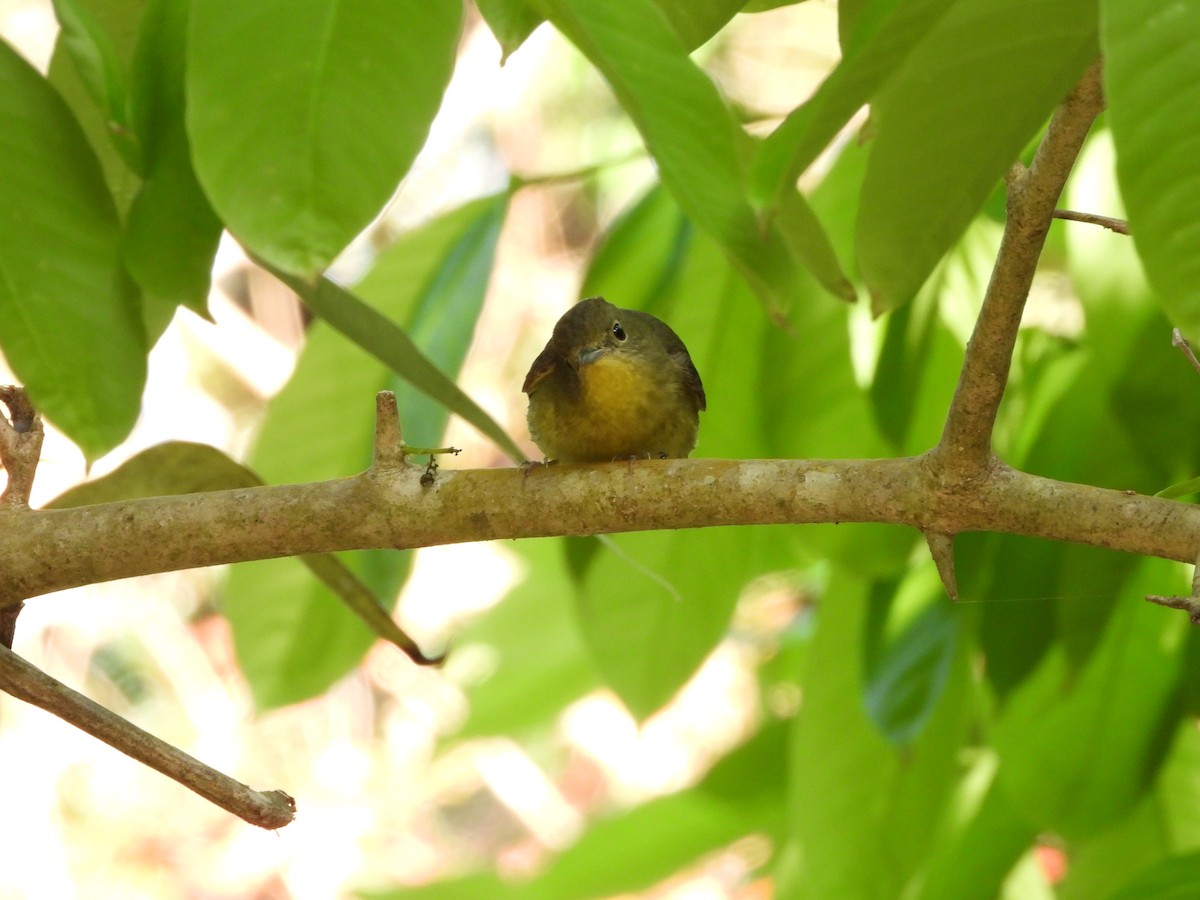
(389, 439)
(1120, 226)
(266, 809)
(390, 449)
(20, 445)
(1178, 340)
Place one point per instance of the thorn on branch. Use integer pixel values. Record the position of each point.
(1190, 605)
(1178, 340)
(20, 444)
(941, 548)
(1120, 226)
(8, 622)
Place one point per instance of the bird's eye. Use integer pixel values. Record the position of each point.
(618, 331)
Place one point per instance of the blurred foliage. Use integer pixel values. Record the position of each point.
(933, 748)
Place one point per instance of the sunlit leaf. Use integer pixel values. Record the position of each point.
(885, 35)
(305, 114)
(180, 467)
(1152, 84)
(69, 319)
(292, 638)
(1073, 754)
(172, 232)
(951, 123)
(699, 148)
(100, 68)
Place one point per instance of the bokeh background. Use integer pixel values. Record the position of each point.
(388, 793)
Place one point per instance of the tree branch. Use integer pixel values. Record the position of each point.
(270, 809)
(48, 550)
(964, 451)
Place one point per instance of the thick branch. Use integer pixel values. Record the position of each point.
(965, 447)
(47, 550)
(270, 809)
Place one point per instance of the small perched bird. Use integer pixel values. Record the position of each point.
(613, 384)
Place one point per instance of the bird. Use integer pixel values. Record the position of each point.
(613, 384)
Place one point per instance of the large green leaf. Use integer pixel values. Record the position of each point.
(172, 232)
(1172, 879)
(1074, 748)
(906, 678)
(180, 467)
(979, 846)
(69, 320)
(532, 672)
(888, 32)
(949, 124)
(379, 336)
(292, 638)
(1152, 83)
(653, 605)
(853, 796)
(305, 114)
(699, 148)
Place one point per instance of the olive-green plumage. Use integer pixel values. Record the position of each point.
(613, 384)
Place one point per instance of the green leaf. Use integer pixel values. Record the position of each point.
(1182, 489)
(69, 321)
(968, 99)
(1172, 879)
(171, 234)
(695, 21)
(1074, 747)
(305, 114)
(699, 149)
(174, 467)
(511, 21)
(379, 336)
(532, 673)
(972, 857)
(292, 640)
(653, 605)
(854, 796)
(1152, 84)
(103, 74)
(907, 679)
(181, 467)
(887, 33)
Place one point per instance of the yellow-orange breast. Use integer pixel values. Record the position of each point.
(620, 407)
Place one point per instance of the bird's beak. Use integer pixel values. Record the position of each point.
(588, 355)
